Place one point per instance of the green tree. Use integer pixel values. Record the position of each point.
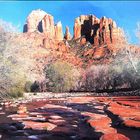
(61, 76)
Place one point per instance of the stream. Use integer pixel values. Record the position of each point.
(63, 118)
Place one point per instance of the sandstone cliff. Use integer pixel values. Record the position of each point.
(67, 35)
(98, 31)
(99, 38)
(58, 31)
(40, 21)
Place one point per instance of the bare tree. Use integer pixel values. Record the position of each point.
(128, 51)
(138, 31)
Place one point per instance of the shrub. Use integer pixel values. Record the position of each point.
(120, 74)
(28, 86)
(61, 76)
(96, 78)
(16, 92)
(16, 63)
(35, 87)
(17, 89)
(124, 72)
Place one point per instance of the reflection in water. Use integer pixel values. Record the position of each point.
(67, 118)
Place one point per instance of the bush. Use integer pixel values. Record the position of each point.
(28, 86)
(124, 72)
(114, 76)
(61, 76)
(117, 77)
(16, 92)
(96, 78)
(35, 87)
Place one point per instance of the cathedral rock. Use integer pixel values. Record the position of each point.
(98, 31)
(38, 20)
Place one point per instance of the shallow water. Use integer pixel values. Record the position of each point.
(70, 110)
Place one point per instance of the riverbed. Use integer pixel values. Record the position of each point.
(72, 118)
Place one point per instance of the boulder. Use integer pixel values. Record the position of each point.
(100, 53)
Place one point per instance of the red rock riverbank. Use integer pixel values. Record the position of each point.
(74, 118)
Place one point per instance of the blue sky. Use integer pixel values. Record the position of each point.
(126, 14)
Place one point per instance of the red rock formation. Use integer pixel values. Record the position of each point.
(22, 109)
(39, 125)
(34, 19)
(77, 28)
(39, 20)
(62, 47)
(100, 53)
(113, 136)
(48, 26)
(129, 115)
(83, 41)
(98, 31)
(58, 31)
(67, 35)
(48, 43)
